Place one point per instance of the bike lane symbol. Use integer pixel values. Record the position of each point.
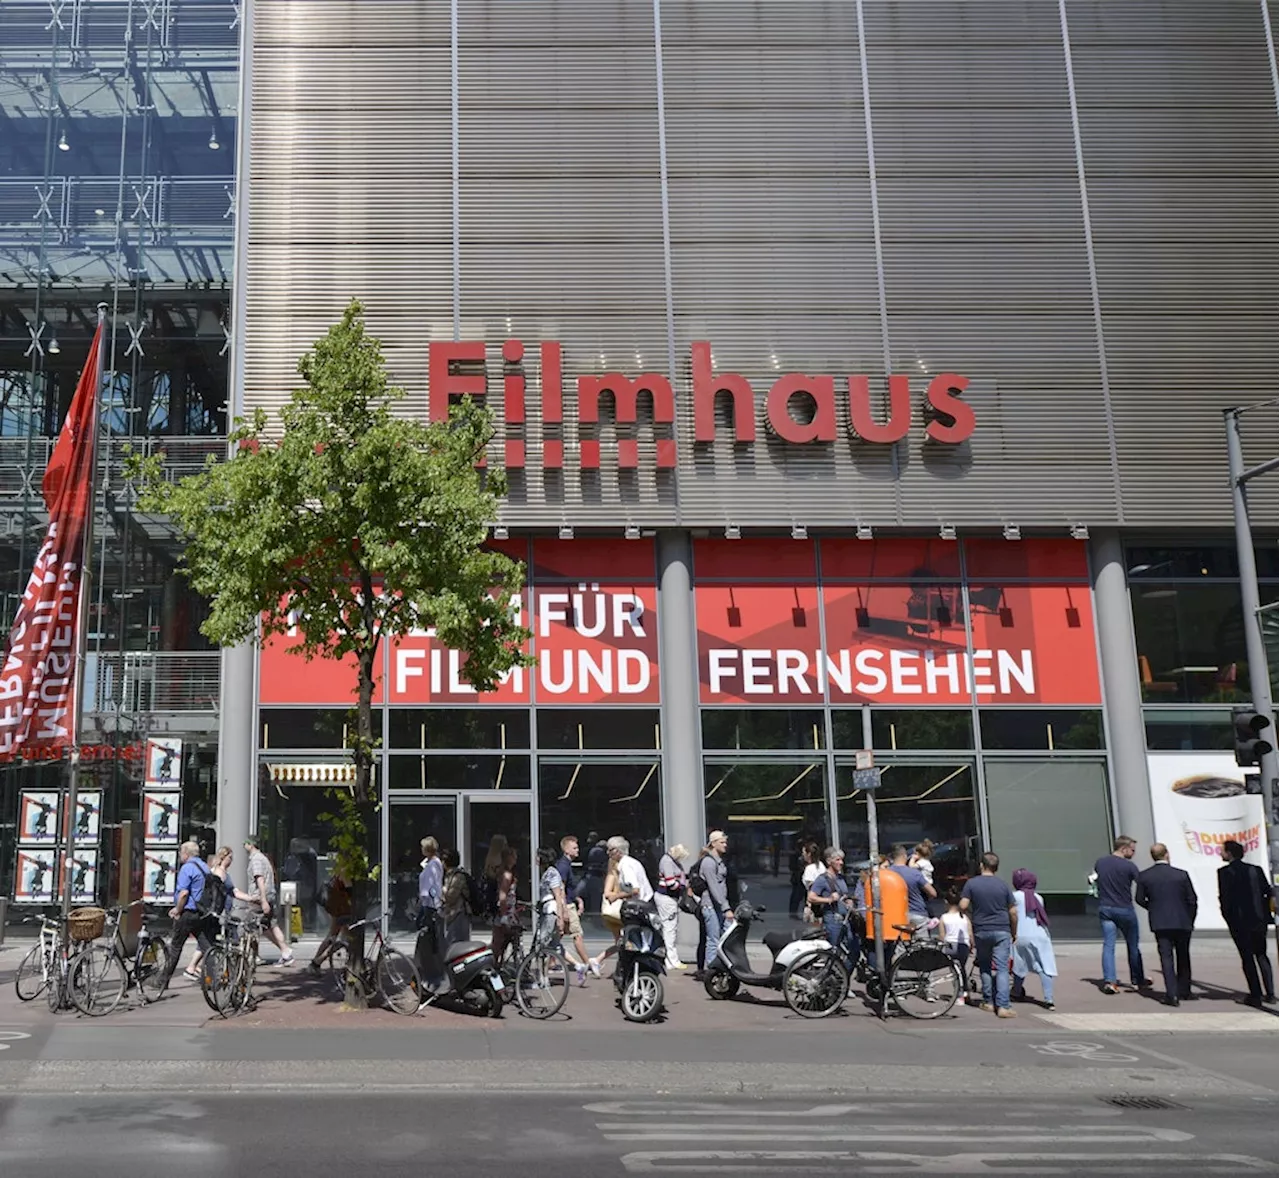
(7, 1037)
(1091, 1052)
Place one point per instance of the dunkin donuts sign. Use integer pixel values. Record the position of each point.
(458, 369)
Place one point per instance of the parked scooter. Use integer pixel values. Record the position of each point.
(642, 960)
(472, 980)
(731, 969)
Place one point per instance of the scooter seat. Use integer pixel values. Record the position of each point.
(777, 941)
(464, 948)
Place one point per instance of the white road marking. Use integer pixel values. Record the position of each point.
(770, 1161)
(1094, 1052)
(710, 1131)
(1211, 1022)
(7, 1037)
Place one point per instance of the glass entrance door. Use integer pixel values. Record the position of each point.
(490, 823)
(409, 821)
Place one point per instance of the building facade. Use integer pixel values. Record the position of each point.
(858, 369)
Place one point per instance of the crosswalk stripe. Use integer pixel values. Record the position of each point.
(1118, 1133)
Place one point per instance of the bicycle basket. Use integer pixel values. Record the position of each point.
(86, 924)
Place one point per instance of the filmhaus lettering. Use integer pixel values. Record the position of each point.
(870, 671)
(458, 369)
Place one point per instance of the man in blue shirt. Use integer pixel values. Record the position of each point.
(829, 896)
(993, 911)
(185, 913)
(1116, 874)
(572, 902)
(919, 890)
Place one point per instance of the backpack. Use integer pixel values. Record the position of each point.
(213, 896)
(697, 884)
(473, 898)
(489, 897)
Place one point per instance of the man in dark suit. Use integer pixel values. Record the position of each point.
(1169, 897)
(1245, 899)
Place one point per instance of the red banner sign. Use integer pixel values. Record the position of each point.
(37, 686)
(905, 644)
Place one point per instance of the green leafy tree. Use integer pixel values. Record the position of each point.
(351, 524)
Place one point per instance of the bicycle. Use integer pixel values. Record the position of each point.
(95, 973)
(816, 985)
(228, 968)
(513, 953)
(921, 980)
(542, 975)
(384, 972)
(35, 970)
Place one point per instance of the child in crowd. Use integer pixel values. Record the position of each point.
(957, 931)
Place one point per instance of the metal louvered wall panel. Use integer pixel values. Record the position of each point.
(773, 243)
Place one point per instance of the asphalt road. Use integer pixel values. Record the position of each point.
(541, 1135)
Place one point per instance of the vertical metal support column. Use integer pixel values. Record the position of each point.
(1255, 647)
(1130, 785)
(237, 735)
(683, 816)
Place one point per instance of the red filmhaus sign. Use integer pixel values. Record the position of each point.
(457, 369)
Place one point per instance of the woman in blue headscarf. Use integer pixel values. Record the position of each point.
(1033, 950)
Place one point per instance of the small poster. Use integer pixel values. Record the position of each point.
(84, 876)
(38, 816)
(164, 764)
(161, 816)
(159, 875)
(35, 878)
(87, 822)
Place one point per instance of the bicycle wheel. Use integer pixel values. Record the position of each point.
(924, 983)
(33, 974)
(245, 969)
(509, 963)
(151, 969)
(816, 984)
(216, 980)
(542, 984)
(398, 982)
(97, 980)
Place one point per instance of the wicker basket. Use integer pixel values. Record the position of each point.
(87, 924)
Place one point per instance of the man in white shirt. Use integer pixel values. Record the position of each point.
(631, 872)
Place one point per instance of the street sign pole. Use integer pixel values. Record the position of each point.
(867, 778)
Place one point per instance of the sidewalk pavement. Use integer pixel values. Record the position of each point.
(292, 997)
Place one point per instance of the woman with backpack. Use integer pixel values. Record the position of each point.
(335, 899)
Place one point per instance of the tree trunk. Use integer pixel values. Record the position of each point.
(355, 996)
(364, 742)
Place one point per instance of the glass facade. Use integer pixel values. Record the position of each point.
(118, 126)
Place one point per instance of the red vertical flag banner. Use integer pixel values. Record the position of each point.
(37, 685)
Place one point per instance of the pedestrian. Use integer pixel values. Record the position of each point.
(919, 890)
(506, 921)
(671, 886)
(695, 885)
(491, 872)
(552, 904)
(573, 903)
(957, 932)
(993, 912)
(1033, 948)
(830, 900)
(1116, 875)
(811, 857)
(262, 892)
(455, 904)
(220, 865)
(922, 860)
(596, 866)
(1245, 898)
(430, 922)
(717, 913)
(1169, 897)
(336, 900)
(610, 906)
(189, 916)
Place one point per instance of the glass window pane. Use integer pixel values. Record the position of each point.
(598, 728)
(1191, 644)
(1041, 728)
(593, 802)
(445, 772)
(925, 729)
(458, 728)
(1189, 729)
(768, 810)
(1051, 817)
(306, 728)
(913, 803)
(846, 728)
(1161, 562)
(761, 728)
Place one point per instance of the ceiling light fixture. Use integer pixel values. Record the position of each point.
(947, 532)
(63, 145)
(864, 532)
(501, 532)
(566, 532)
(1079, 531)
(799, 532)
(1012, 532)
(213, 139)
(732, 532)
(631, 531)
(54, 347)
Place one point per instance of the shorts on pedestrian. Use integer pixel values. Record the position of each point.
(613, 924)
(573, 923)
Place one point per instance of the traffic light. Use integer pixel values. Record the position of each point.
(1251, 745)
